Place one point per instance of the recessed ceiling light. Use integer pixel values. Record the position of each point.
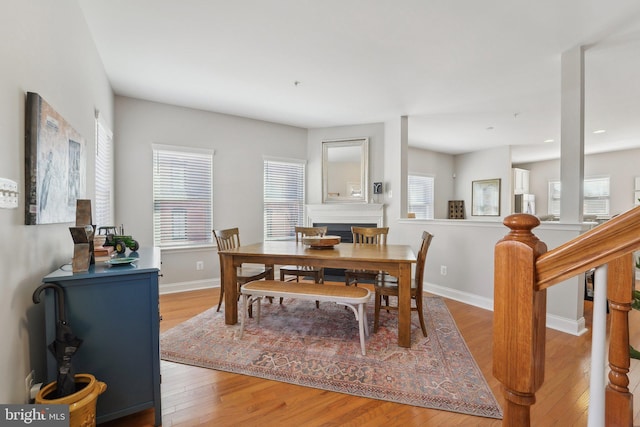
(548, 140)
(599, 131)
(490, 128)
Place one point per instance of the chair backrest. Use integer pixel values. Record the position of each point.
(309, 231)
(370, 235)
(227, 239)
(420, 261)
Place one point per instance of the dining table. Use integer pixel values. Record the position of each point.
(395, 260)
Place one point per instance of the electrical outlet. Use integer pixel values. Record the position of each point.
(28, 383)
(199, 265)
(443, 270)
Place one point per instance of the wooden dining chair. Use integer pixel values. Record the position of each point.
(230, 239)
(366, 236)
(317, 273)
(390, 289)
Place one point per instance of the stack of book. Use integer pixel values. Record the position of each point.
(102, 253)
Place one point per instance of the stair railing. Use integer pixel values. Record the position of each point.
(523, 272)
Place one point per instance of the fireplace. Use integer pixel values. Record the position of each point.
(342, 229)
(345, 213)
(339, 218)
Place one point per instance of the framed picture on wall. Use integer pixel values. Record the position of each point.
(485, 197)
(55, 164)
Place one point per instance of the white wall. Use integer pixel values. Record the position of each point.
(480, 165)
(240, 145)
(466, 247)
(621, 166)
(441, 167)
(375, 133)
(46, 48)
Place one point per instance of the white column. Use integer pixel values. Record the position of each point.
(597, 379)
(396, 154)
(572, 134)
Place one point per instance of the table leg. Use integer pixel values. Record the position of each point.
(230, 279)
(404, 306)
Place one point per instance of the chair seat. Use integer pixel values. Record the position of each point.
(292, 269)
(386, 277)
(247, 274)
(391, 288)
(355, 276)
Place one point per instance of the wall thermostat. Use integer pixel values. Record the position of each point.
(377, 188)
(8, 194)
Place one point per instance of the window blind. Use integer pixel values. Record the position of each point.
(595, 197)
(182, 196)
(420, 196)
(284, 183)
(103, 206)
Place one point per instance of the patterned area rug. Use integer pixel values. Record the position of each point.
(299, 344)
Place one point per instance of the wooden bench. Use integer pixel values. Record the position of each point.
(350, 296)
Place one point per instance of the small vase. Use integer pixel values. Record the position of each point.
(82, 403)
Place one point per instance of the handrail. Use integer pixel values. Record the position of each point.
(523, 272)
(598, 246)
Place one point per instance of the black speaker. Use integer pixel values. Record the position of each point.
(377, 188)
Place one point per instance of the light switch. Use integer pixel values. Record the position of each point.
(8, 194)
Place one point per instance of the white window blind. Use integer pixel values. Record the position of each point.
(284, 183)
(595, 197)
(103, 206)
(420, 196)
(182, 196)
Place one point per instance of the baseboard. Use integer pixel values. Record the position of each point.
(562, 324)
(464, 297)
(194, 285)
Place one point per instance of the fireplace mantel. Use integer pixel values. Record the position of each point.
(345, 213)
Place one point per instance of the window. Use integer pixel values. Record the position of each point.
(595, 198)
(182, 196)
(283, 198)
(420, 196)
(103, 206)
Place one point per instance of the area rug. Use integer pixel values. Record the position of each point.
(300, 344)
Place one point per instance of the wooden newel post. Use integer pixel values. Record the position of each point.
(619, 401)
(519, 318)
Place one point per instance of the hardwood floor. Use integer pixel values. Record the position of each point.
(194, 396)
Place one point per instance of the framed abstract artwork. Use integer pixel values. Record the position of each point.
(485, 197)
(55, 165)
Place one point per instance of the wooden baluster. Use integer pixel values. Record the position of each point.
(619, 402)
(519, 319)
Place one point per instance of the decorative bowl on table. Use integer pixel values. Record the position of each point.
(321, 242)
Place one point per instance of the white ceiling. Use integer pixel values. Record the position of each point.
(470, 74)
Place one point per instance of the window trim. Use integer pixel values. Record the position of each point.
(103, 172)
(585, 199)
(433, 194)
(291, 161)
(171, 246)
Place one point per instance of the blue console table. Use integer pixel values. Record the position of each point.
(114, 310)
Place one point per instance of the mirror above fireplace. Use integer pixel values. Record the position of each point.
(345, 171)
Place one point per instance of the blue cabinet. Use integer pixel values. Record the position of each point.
(114, 310)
